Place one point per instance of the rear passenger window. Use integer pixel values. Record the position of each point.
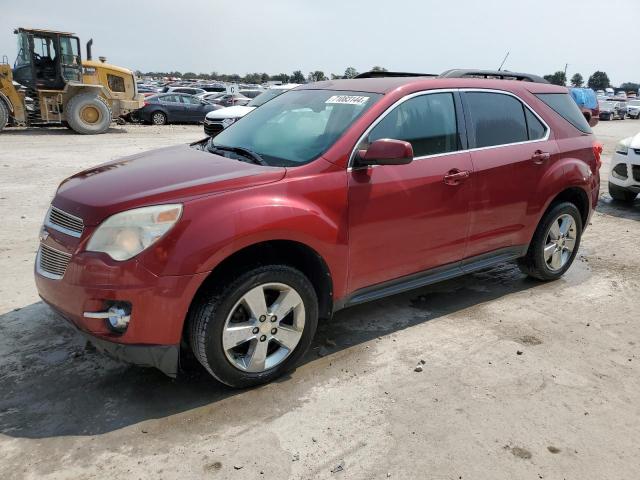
(567, 108)
(428, 122)
(496, 119)
(534, 126)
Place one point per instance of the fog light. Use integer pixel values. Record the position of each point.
(117, 317)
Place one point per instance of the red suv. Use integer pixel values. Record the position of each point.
(330, 195)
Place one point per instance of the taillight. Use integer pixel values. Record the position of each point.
(146, 103)
(597, 153)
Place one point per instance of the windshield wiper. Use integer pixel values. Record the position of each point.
(245, 152)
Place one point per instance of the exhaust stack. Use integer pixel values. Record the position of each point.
(89, 44)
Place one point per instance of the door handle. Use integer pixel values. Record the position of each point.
(539, 157)
(455, 176)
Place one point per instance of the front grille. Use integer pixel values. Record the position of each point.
(636, 172)
(213, 129)
(64, 222)
(52, 263)
(636, 151)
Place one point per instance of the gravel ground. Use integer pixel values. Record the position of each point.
(519, 380)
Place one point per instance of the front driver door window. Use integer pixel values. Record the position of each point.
(404, 219)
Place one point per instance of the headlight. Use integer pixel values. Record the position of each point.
(622, 148)
(126, 234)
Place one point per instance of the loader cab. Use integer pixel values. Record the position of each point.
(47, 60)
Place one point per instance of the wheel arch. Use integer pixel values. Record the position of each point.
(286, 252)
(573, 194)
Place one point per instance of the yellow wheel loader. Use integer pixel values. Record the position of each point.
(49, 84)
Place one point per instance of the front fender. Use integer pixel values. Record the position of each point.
(311, 212)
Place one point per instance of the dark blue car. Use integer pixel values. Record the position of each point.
(174, 108)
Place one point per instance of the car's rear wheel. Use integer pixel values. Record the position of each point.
(256, 327)
(158, 118)
(621, 194)
(555, 243)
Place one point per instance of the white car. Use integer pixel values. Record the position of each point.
(624, 171)
(218, 120)
(633, 109)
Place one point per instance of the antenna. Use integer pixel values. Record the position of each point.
(505, 59)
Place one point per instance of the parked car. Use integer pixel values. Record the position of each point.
(621, 94)
(633, 109)
(218, 120)
(231, 99)
(213, 87)
(588, 104)
(210, 96)
(187, 90)
(235, 247)
(610, 109)
(252, 93)
(174, 107)
(624, 170)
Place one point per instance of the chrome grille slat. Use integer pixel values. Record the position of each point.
(64, 222)
(52, 263)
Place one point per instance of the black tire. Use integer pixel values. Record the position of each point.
(158, 118)
(533, 263)
(88, 114)
(4, 115)
(209, 312)
(621, 194)
(65, 124)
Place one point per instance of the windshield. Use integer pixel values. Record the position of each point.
(298, 126)
(265, 96)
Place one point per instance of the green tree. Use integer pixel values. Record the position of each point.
(350, 72)
(599, 81)
(577, 80)
(558, 78)
(281, 77)
(630, 87)
(297, 77)
(379, 69)
(316, 76)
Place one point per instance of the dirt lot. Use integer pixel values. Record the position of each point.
(521, 380)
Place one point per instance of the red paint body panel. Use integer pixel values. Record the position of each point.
(369, 226)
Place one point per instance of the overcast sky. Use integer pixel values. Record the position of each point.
(277, 36)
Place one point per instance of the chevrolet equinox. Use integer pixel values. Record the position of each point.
(330, 195)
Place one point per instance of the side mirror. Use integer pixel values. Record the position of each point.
(386, 151)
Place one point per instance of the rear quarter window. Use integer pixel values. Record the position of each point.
(567, 108)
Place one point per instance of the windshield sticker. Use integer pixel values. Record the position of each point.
(347, 100)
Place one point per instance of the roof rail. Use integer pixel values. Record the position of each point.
(380, 74)
(499, 74)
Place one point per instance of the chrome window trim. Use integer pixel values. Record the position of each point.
(449, 90)
(59, 228)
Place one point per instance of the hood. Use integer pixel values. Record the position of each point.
(166, 175)
(632, 142)
(236, 111)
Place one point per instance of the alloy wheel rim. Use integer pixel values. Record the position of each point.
(264, 327)
(560, 242)
(158, 119)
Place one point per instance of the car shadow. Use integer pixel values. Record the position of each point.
(608, 206)
(53, 384)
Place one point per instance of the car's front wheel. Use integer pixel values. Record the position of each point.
(256, 327)
(554, 244)
(158, 118)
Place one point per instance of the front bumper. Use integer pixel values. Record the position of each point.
(625, 170)
(92, 282)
